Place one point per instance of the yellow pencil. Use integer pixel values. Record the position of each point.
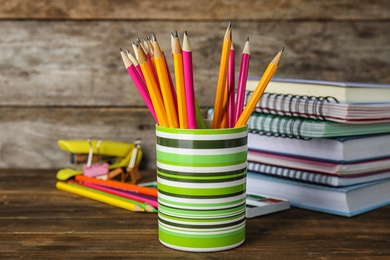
(179, 81)
(153, 88)
(265, 79)
(98, 197)
(165, 85)
(224, 117)
(219, 96)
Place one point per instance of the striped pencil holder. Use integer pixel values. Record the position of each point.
(201, 188)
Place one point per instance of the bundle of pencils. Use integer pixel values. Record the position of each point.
(119, 194)
(173, 103)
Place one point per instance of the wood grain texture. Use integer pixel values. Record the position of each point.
(73, 63)
(39, 222)
(29, 135)
(61, 75)
(195, 10)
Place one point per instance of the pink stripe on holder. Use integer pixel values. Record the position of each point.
(96, 169)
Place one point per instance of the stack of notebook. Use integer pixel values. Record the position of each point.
(324, 146)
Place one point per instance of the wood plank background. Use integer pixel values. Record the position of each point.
(61, 75)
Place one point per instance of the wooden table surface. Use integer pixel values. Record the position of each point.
(37, 221)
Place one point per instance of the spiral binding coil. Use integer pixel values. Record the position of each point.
(289, 173)
(278, 126)
(291, 105)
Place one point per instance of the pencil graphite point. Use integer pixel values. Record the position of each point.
(127, 62)
(154, 37)
(186, 43)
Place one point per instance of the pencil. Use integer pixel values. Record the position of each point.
(135, 49)
(136, 65)
(153, 88)
(139, 84)
(146, 44)
(220, 103)
(179, 81)
(173, 91)
(149, 51)
(224, 120)
(118, 185)
(112, 193)
(242, 79)
(189, 82)
(199, 121)
(265, 79)
(98, 197)
(231, 80)
(165, 85)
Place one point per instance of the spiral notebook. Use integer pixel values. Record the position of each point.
(336, 150)
(344, 92)
(344, 201)
(297, 127)
(353, 103)
(321, 108)
(319, 165)
(316, 177)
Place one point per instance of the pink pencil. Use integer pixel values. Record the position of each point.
(137, 66)
(122, 194)
(189, 82)
(242, 79)
(139, 84)
(231, 78)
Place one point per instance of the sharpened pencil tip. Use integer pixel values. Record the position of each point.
(230, 25)
(282, 50)
(154, 37)
(247, 39)
(176, 34)
(185, 33)
(120, 49)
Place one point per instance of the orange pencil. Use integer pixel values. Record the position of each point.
(153, 89)
(165, 85)
(118, 185)
(220, 102)
(265, 79)
(224, 117)
(179, 80)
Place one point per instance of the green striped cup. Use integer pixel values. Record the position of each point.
(201, 178)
